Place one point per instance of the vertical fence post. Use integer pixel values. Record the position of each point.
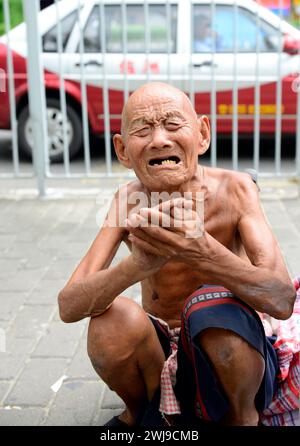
(11, 90)
(37, 98)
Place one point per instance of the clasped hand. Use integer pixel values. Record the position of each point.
(172, 230)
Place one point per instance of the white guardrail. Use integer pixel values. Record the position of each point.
(96, 76)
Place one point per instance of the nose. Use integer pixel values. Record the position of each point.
(160, 138)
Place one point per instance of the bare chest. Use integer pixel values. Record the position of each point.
(163, 295)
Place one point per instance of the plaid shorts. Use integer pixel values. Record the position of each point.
(188, 384)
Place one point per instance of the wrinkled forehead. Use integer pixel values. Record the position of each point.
(157, 106)
(154, 108)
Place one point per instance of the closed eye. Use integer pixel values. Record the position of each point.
(172, 125)
(144, 131)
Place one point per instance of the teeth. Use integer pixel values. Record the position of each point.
(168, 162)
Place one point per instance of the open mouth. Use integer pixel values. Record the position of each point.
(170, 160)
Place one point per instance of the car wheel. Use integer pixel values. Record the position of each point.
(55, 131)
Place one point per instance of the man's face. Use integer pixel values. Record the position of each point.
(162, 140)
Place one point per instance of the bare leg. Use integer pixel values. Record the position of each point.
(125, 352)
(240, 370)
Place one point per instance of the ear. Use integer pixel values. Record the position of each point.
(121, 151)
(204, 137)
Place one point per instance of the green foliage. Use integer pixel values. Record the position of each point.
(16, 14)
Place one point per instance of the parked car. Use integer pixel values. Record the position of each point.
(182, 38)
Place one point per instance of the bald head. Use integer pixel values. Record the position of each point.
(150, 93)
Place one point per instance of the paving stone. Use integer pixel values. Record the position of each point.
(123, 251)
(75, 404)
(105, 415)
(77, 216)
(5, 324)
(65, 229)
(49, 287)
(43, 296)
(61, 269)
(134, 292)
(31, 321)
(24, 280)
(21, 250)
(111, 400)
(4, 385)
(6, 240)
(8, 267)
(60, 340)
(10, 303)
(5, 207)
(41, 258)
(31, 235)
(284, 236)
(292, 256)
(81, 366)
(21, 416)
(84, 233)
(276, 214)
(13, 360)
(72, 250)
(33, 385)
(293, 209)
(54, 242)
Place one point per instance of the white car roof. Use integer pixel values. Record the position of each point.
(48, 16)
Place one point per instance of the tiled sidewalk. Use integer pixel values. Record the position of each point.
(41, 241)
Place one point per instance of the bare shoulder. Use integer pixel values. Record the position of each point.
(234, 191)
(237, 185)
(129, 188)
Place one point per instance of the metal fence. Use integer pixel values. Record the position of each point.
(84, 58)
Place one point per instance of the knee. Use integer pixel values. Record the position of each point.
(233, 358)
(114, 335)
(222, 346)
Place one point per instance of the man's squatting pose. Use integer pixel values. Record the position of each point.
(216, 287)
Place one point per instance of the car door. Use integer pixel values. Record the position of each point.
(124, 46)
(231, 45)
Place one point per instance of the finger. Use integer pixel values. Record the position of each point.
(166, 206)
(144, 245)
(135, 220)
(162, 246)
(164, 235)
(163, 214)
(182, 225)
(182, 213)
(155, 217)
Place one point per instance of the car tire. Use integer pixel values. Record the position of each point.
(74, 131)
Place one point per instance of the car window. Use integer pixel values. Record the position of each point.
(50, 43)
(91, 33)
(135, 29)
(219, 34)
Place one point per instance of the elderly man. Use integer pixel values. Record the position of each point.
(197, 339)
